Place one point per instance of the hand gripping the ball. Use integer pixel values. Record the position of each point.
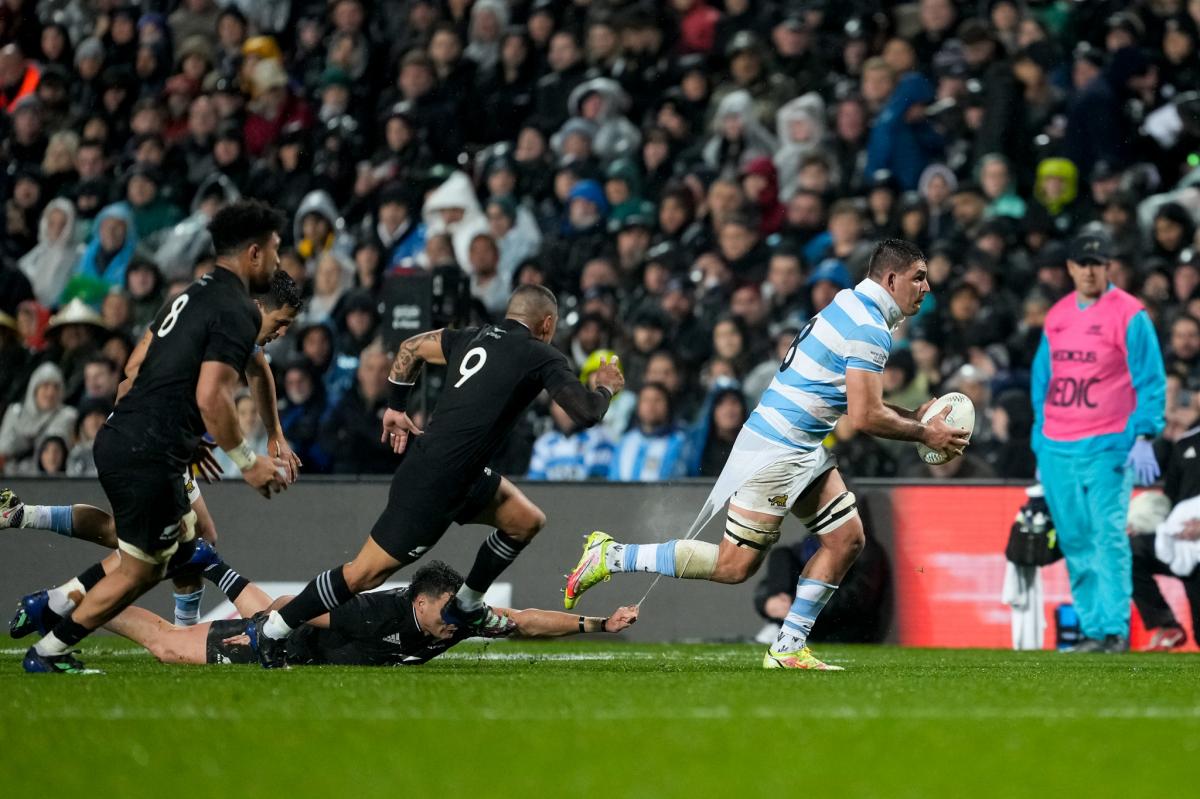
(941, 437)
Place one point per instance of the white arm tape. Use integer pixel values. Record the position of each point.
(242, 456)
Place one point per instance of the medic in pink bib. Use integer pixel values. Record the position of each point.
(1099, 397)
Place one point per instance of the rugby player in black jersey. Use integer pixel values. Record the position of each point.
(395, 627)
(41, 610)
(185, 386)
(493, 373)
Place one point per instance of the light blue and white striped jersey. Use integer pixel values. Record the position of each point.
(582, 455)
(650, 458)
(808, 394)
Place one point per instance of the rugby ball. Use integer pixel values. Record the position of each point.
(962, 414)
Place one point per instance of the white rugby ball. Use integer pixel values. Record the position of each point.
(962, 414)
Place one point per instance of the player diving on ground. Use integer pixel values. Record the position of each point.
(778, 464)
(395, 627)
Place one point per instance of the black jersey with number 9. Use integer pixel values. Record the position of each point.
(493, 373)
(213, 320)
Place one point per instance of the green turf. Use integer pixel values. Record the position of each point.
(604, 720)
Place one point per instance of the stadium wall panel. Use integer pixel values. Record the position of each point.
(945, 544)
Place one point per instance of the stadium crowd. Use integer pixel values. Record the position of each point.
(694, 179)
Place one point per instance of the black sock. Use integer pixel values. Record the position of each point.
(230, 582)
(495, 554)
(326, 591)
(70, 632)
(91, 575)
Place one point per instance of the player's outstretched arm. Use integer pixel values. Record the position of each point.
(214, 397)
(585, 406)
(871, 415)
(534, 623)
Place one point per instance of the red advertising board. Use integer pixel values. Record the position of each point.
(949, 566)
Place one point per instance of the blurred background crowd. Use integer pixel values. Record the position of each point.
(694, 178)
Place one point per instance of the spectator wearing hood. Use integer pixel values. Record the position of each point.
(737, 136)
(581, 234)
(902, 140)
(49, 265)
(41, 415)
(317, 229)
(760, 183)
(489, 20)
(333, 277)
(604, 103)
(801, 131)
(106, 256)
(453, 209)
(357, 317)
(516, 231)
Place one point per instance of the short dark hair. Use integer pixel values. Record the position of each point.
(102, 360)
(434, 579)
(240, 224)
(531, 301)
(283, 292)
(893, 255)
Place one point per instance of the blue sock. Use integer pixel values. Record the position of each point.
(61, 520)
(653, 558)
(811, 596)
(187, 608)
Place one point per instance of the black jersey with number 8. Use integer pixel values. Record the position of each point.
(213, 320)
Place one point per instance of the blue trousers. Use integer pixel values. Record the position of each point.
(1089, 501)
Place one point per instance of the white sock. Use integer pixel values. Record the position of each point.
(469, 597)
(276, 627)
(36, 516)
(60, 597)
(50, 646)
(614, 558)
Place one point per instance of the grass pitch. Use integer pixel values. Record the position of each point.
(604, 720)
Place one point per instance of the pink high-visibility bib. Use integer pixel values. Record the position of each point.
(1090, 391)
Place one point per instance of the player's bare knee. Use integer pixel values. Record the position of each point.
(847, 542)
(531, 523)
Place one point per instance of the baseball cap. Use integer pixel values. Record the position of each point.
(1090, 247)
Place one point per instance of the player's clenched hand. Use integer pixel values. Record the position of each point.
(609, 375)
(621, 618)
(266, 475)
(206, 464)
(279, 447)
(397, 427)
(941, 437)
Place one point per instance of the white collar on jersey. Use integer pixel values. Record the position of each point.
(891, 311)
